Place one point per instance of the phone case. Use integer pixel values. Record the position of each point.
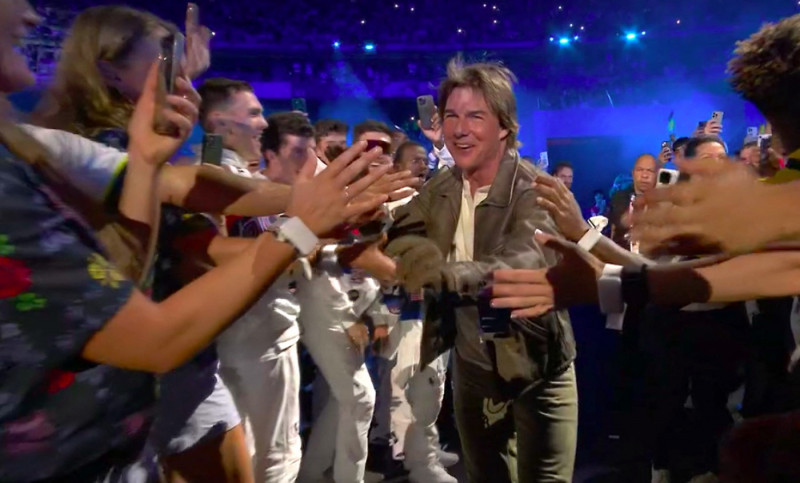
(426, 109)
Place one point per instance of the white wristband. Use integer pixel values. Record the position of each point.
(609, 290)
(590, 239)
(295, 232)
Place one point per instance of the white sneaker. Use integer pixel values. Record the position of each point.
(446, 458)
(659, 476)
(431, 474)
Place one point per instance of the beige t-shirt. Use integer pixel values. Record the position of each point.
(469, 343)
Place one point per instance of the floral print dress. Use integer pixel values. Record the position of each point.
(61, 417)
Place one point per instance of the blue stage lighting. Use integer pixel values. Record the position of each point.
(563, 41)
(369, 47)
(336, 45)
(630, 36)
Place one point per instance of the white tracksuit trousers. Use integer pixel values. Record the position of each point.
(340, 431)
(267, 395)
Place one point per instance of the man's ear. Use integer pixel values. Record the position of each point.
(216, 123)
(270, 157)
(109, 73)
(503, 134)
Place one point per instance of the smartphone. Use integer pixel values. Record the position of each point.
(375, 143)
(212, 149)
(717, 116)
(299, 105)
(701, 125)
(764, 144)
(752, 133)
(665, 145)
(426, 109)
(667, 177)
(494, 323)
(544, 161)
(173, 47)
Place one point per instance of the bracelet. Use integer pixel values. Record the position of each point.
(590, 239)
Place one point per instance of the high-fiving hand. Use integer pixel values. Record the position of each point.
(702, 215)
(532, 293)
(562, 206)
(332, 198)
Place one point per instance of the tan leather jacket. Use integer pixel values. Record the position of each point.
(504, 227)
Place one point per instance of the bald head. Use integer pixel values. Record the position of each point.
(645, 170)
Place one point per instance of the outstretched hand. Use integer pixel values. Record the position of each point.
(700, 216)
(332, 198)
(562, 206)
(532, 293)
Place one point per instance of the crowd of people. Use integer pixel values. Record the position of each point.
(159, 308)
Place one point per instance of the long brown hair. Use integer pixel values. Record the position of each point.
(79, 100)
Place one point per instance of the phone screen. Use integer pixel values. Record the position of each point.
(493, 322)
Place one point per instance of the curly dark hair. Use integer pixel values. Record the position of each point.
(766, 68)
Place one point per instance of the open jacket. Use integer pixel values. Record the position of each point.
(505, 223)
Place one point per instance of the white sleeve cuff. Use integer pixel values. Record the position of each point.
(609, 290)
(445, 158)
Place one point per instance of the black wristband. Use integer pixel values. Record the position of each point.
(635, 289)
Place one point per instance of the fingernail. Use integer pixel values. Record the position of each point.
(538, 232)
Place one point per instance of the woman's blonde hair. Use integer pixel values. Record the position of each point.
(79, 100)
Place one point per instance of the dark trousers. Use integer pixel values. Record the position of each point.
(697, 354)
(531, 438)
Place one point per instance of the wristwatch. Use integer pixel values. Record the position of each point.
(294, 232)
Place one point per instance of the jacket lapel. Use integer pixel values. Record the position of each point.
(445, 211)
(489, 215)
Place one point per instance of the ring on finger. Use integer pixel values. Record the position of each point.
(347, 193)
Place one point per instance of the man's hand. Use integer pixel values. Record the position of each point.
(181, 110)
(722, 208)
(359, 336)
(665, 155)
(434, 134)
(562, 206)
(713, 128)
(532, 293)
(395, 185)
(419, 263)
(198, 44)
(370, 257)
(330, 199)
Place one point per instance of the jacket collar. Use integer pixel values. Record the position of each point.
(500, 190)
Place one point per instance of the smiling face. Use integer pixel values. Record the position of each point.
(17, 18)
(472, 132)
(241, 121)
